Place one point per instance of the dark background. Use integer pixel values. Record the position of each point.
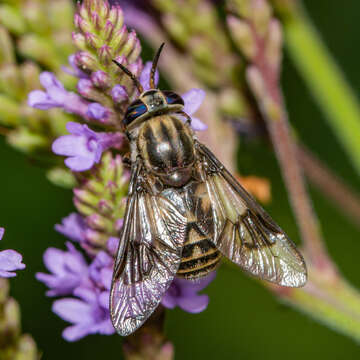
(243, 320)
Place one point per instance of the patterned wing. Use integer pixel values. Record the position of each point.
(245, 233)
(148, 257)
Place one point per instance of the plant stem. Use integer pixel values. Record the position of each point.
(149, 342)
(332, 301)
(323, 76)
(264, 82)
(330, 184)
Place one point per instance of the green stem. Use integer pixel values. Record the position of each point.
(323, 77)
(332, 302)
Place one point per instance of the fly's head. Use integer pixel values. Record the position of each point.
(149, 104)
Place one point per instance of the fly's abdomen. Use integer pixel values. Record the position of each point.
(199, 256)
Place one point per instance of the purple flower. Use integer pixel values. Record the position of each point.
(112, 244)
(192, 99)
(68, 270)
(98, 112)
(73, 69)
(87, 314)
(98, 269)
(73, 226)
(183, 293)
(56, 96)
(10, 260)
(119, 93)
(84, 146)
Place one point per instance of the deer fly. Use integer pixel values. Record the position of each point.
(184, 212)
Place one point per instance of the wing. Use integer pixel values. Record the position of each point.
(148, 257)
(245, 233)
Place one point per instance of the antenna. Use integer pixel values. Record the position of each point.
(154, 65)
(130, 75)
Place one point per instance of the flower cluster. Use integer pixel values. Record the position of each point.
(84, 146)
(89, 285)
(10, 260)
(103, 94)
(88, 310)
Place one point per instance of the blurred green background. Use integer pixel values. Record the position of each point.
(243, 320)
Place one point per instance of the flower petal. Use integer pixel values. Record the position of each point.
(54, 260)
(119, 93)
(11, 260)
(2, 231)
(194, 304)
(104, 299)
(97, 111)
(197, 124)
(105, 327)
(75, 128)
(192, 287)
(40, 100)
(49, 80)
(87, 294)
(80, 163)
(193, 99)
(73, 226)
(106, 277)
(145, 76)
(76, 332)
(71, 145)
(169, 301)
(112, 244)
(73, 310)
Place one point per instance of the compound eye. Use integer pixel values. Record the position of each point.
(173, 98)
(136, 109)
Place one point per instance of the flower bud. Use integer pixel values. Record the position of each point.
(101, 80)
(119, 94)
(79, 40)
(85, 61)
(105, 55)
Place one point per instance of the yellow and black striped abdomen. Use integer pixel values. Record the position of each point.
(199, 255)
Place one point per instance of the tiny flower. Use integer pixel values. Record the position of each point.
(101, 262)
(192, 98)
(183, 293)
(87, 314)
(74, 69)
(68, 270)
(56, 96)
(84, 146)
(90, 312)
(10, 260)
(119, 93)
(73, 227)
(112, 245)
(97, 111)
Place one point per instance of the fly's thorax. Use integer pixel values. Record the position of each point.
(166, 146)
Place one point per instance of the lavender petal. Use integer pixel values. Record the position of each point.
(193, 99)
(10, 260)
(194, 304)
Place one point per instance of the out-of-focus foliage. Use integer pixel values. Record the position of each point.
(203, 50)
